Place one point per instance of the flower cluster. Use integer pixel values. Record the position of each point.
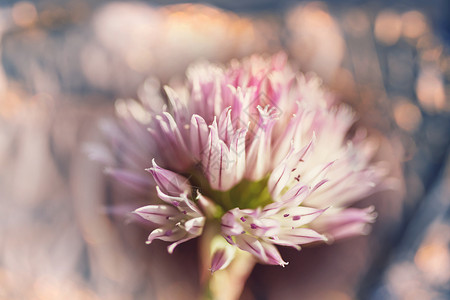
(255, 149)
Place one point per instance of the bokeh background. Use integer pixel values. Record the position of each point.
(63, 234)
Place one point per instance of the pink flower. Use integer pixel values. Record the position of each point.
(258, 151)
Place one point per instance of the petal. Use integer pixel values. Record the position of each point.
(171, 141)
(225, 168)
(258, 153)
(282, 173)
(174, 200)
(169, 182)
(181, 201)
(199, 136)
(217, 162)
(189, 206)
(175, 103)
(272, 209)
(132, 179)
(225, 126)
(295, 195)
(195, 226)
(301, 236)
(229, 224)
(222, 255)
(252, 245)
(159, 214)
(263, 227)
(172, 247)
(237, 152)
(264, 251)
(209, 156)
(272, 254)
(317, 174)
(299, 216)
(283, 143)
(346, 223)
(276, 240)
(168, 234)
(278, 180)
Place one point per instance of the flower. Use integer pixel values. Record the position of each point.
(259, 153)
(180, 218)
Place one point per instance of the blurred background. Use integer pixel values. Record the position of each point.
(64, 63)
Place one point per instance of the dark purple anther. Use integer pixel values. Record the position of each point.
(286, 215)
(253, 226)
(296, 218)
(243, 219)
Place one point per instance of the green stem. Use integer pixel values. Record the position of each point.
(226, 284)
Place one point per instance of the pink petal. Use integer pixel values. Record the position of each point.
(159, 214)
(225, 126)
(169, 182)
(221, 258)
(259, 150)
(195, 226)
(199, 136)
(174, 200)
(299, 216)
(346, 223)
(132, 179)
(252, 245)
(272, 254)
(237, 154)
(278, 180)
(296, 194)
(166, 234)
(301, 236)
(229, 224)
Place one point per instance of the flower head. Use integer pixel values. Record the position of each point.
(258, 151)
